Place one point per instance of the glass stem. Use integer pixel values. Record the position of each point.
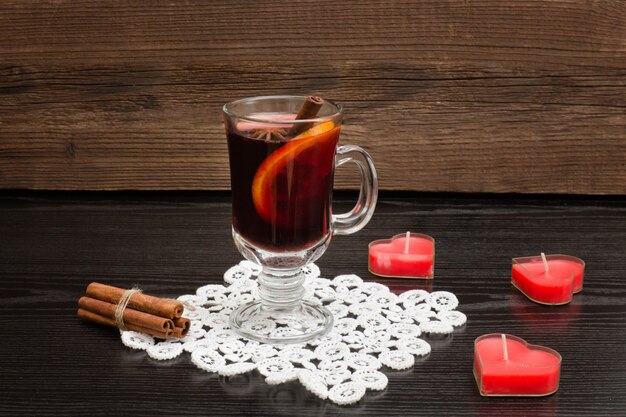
(281, 289)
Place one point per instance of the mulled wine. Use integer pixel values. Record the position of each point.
(282, 187)
(283, 152)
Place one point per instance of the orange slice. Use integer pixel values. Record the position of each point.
(265, 176)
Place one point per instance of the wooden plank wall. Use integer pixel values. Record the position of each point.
(469, 96)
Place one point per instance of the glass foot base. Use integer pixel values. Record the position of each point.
(274, 325)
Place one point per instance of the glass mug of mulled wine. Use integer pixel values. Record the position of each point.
(283, 152)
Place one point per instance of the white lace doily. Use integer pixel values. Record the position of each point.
(374, 328)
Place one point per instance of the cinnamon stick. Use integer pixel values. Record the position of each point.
(129, 316)
(148, 304)
(178, 332)
(182, 326)
(97, 318)
(309, 110)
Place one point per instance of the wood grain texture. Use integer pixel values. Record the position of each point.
(473, 96)
(53, 245)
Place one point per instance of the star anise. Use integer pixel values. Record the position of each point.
(268, 134)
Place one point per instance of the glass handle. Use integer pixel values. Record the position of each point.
(360, 215)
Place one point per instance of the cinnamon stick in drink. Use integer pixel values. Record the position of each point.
(97, 318)
(309, 110)
(129, 315)
(148, 304)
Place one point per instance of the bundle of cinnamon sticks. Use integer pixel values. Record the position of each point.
(155, 316)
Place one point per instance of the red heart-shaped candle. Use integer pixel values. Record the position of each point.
(505, 365)
(554, 285)
(408, 255)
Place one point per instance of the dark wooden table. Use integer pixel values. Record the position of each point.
(53, 245)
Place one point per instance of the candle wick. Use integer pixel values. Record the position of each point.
(406, 242)
(504, 348)
(545, 261)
